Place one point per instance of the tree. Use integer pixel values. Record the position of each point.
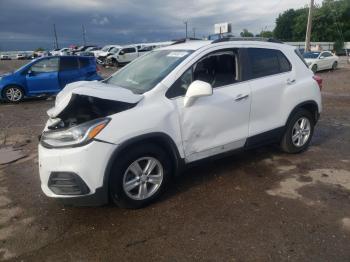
(246, 33)
(266, 34)
(331, 22)
(39, 49)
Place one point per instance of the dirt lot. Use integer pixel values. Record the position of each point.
(260, 205)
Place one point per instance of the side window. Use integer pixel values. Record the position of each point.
(218, 69)
(285, 65)
(264, 62)
(129, 50)
(68, 63)
(83, 62)
(45, 66)
(326, 54)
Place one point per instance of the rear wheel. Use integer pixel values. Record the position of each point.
(314, 68)
(139, 176)
(335, 65)
(299, 131)
(13, 94)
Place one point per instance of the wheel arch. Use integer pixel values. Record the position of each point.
(13, 84)
(161, 139)
(310, 106)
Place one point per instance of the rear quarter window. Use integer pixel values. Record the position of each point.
(68, 63)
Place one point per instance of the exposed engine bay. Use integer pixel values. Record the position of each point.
(83, 108)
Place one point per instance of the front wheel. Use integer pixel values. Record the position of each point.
(13, 94)
(335, 65)
(139, 176)
(298, 133)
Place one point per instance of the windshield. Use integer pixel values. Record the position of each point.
(147, 71)
(105, 49)
(311, 55)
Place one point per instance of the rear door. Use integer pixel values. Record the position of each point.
(88, 69)
(270, 74)
(69, 71)
(42, 76)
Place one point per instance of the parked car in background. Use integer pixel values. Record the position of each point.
(54, 51)
(47, 75)
(61, 52)
(21, 56)
(125, 55)
(79, 49)
(37, 54)
(5, 57)
(172, 107)
(102, 56)
(104, 49)
(321, 60)
(89, 51)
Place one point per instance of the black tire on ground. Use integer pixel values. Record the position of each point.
(335, 65)
(314, 68)
(115, 63)
(287, 145)
(13, 94)
(118, 175)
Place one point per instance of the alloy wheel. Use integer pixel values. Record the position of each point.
(301, 131)
(143, 178)
(14, 94)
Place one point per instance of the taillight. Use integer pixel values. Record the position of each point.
(97, 69)
(318, 80)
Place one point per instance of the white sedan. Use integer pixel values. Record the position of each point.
(318, 61)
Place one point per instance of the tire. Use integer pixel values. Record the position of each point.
(141, 191)
(13, 94)
(335, 65)
(314, 68)
(296, 140)
(115, 63)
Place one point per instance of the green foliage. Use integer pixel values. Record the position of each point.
(331, 22)
(39, 49)
(338, 45)
(246, 33)
(266, 34)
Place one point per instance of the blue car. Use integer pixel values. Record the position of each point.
(47, 75)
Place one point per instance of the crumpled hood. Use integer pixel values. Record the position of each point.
(93, 89)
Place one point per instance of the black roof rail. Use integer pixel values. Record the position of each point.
(263, 39)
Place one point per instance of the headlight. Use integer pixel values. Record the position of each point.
(75, 136)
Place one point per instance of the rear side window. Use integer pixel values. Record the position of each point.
(84, 62)
(129, 50)
(68, 63)
(266, 62)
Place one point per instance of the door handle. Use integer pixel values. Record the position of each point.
(290, 81)
(241, 97)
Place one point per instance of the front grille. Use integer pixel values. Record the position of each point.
(67, 183)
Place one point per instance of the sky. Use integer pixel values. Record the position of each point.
(28, 24)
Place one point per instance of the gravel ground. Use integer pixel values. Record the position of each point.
(260, 205)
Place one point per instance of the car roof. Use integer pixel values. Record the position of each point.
(197, 44)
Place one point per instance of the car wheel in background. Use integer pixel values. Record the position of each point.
(335, 65)
(314, 68)
(139, 176)
(13, 94)
(298, 133)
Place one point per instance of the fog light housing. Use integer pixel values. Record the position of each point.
(67, 183)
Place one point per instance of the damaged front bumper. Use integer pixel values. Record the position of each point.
(82, 170)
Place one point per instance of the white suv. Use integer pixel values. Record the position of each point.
(124, 138)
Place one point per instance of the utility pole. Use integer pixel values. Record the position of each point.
(55, 34)
(194, 32)
(309, 27)
(84, 33)
(186, 27)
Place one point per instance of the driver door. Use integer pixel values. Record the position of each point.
(219, 122)
(42, 77)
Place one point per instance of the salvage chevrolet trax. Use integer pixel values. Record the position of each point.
(124, 138)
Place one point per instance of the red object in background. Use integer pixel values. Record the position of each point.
(318, 80)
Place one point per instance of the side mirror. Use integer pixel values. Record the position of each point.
(30, 73)
(195, 90)
(321, 57)
(122, 52)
